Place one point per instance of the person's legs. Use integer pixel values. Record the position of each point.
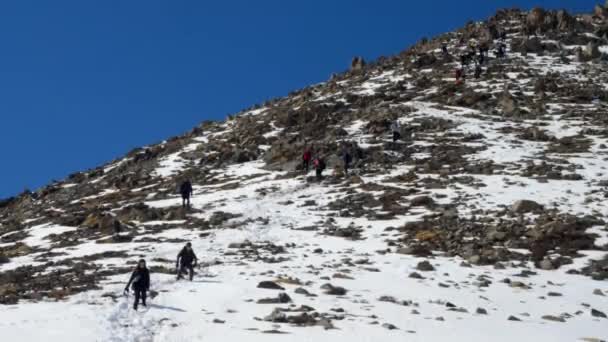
(191, 270)
(181, 271)
(136, 299)
(143, 297)
(188, 202)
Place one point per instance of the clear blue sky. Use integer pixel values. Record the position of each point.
(83, 82)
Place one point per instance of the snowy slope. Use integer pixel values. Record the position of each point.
(423, 242)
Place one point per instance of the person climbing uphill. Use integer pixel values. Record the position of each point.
(346, 159)
(500, 50)
(186, 190)
(396, 129)
(306, 159)
(319, 165)
(139, 282)
(186, 260)
(478, 71)
(459, 74)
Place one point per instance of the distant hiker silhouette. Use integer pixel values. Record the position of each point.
(347, 158)
(396, 129)
(319, 165)
(186, 190)
(306, 159)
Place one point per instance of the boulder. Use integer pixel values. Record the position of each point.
(526, 206)
(597, 313)
(334, 290)
(422, 201)
(270, 285)
(507, 103)
(425, 266)
(529, 45)
(546, 265)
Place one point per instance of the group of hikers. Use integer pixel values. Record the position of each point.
(348, 153)
(139, 281)
(478, 54)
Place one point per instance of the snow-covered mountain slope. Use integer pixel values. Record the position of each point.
(485, 222)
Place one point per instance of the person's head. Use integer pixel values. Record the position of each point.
(189, 245)
(141, 263)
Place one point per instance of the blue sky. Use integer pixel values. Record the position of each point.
(83, 82)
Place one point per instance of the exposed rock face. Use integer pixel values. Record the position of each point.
(565, 22)
(358, 63)
(535, 19)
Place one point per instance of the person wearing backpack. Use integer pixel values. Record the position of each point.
(186, 191)
(306, 159)
(139, 282)
(347, 158)
(186, 260)
(396, 129)
(319, 165)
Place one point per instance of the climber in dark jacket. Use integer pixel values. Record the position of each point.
(396, 129)
(478, 71)
(186, 190)
(347, 158)
(319, 164)
(139, 282)
(186, 260)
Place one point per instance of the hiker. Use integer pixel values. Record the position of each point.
(464, 60)
(483, 49)
(481, 58)
(346, 159)
(319, 165)
(117, 227)
(140, 283)
(306, 159)
(460, 77)
(186, 260)
(444, 49)
(472, 45)
(396, 129)
(500, 51)
(186, 190)
(478, 71)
